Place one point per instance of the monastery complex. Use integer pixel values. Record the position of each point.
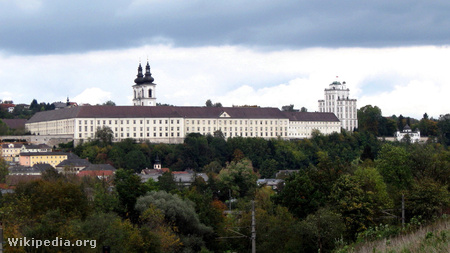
(144, 121)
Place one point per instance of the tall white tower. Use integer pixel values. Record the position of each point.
(144, 89)
(338, 102)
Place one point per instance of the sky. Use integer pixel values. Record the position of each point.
(391, 54)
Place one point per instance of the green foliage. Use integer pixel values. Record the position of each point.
(181, 213)
(427, 198)
(135, 160)
(104, 135)
(353, 204)
(3, 170)
(166, 182)
(392, 163)
(239, 177)
(443, 125)
(302, 194)
(43, 196)
(129, 188)
(369, 118)
(372, 183)
(320, 230)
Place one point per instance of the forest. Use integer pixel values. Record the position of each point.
(342, 189)
(339, 191)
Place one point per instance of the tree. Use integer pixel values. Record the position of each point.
(181, 213)
(129, 188)
(321, 230)
(269, 168)
(109, 103)
(350, 201)
(369, 118)
(239, 177)
(135, 160)
(427, 198)
(393, 164)
(3, 170)
(209, 103)
(303, 109)
(166, 182)
(301, 195)
(444, 129)
(104, 135)
(288, 108)
(373, 185)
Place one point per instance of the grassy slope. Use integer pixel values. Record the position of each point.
(432, 238)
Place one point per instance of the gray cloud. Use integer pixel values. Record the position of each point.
(55, 26)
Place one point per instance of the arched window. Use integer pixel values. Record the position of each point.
(150, 93)
(135, 94)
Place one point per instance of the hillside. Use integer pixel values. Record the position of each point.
(432, 238)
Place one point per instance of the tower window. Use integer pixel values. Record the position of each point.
(149, 93)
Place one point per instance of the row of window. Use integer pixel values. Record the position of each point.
(116, 122)
(230, 122)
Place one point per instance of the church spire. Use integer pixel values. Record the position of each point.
(140, 76)
(148, 76)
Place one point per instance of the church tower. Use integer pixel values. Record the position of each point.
(144, 88)
(338, 102)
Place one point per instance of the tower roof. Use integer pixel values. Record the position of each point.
(148, 76)
(140, 77)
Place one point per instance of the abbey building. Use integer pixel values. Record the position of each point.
(338, 102)
(171, 124)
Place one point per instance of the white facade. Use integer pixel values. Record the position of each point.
(305, 129)
(144, 91)
(337, 101)
(167, 124)
(415, 136)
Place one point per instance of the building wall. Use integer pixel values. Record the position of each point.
(175, 129)
(336, 100)
(31, 160)
(232, 127)
(304, 129)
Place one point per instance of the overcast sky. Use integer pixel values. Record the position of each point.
(392, 54)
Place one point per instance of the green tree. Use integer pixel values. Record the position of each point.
(3, 170)
(269, 168)
(302, 195)
(129, 188)
(352, 203)
(179, 212)
(239, 177)
(369, 118)
(427, 198)
(109, 103)
(393, 164)
(135, 160)
(444, 129)
(104, 135)
(321, 230)
(166, 182)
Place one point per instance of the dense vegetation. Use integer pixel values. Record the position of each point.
(346, 188)
(343, 185)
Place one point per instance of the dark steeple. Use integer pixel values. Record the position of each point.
(148, 76)
(140, 76)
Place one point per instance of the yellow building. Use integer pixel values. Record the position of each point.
(32, 158)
